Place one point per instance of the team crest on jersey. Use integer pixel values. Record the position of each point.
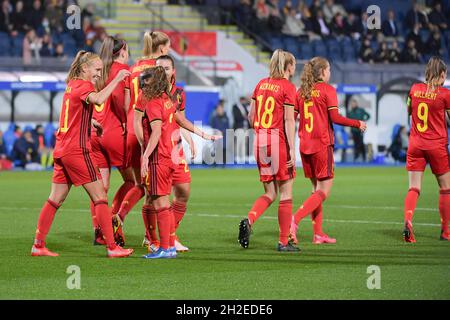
(168, 105)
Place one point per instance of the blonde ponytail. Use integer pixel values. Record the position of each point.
(82, 58)
(152, 41)
(279, 63)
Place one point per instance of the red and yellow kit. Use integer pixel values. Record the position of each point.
(182, 173)
(316, 131)
(133, 147)
(163, 160)
(271, 96)
(429, 137)
(73, 163)
(110, 149)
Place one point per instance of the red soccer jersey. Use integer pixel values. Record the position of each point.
(133, 84)
(162, 109)
(428, 128)
(315, 129)
(271, 97)
(73, 135)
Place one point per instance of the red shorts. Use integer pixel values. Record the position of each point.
(182, 174)
(76, 169)
(133, 151)
(417, 159)
(109, 150)
(272, 162)
(319, 165)
(159, 180)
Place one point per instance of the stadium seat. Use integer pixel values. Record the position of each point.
(276, 43)
(5, 44)
(319, 48)
(334, 50)
(306, 50)
(49, 132)
(9, 138)
(291, 44)
(17, 45)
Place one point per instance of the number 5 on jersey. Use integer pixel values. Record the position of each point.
(309, 125)
(266, 119)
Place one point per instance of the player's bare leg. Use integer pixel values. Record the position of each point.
(444, 204)
(57, 196)
(415, 183)
(98, 235)
(98, 196)
(181, 193)
(259, 206)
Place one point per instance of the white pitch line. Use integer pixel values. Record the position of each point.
(228, 216)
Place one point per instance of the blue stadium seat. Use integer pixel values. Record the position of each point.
(306, 50)
(334, 50)
(424, 35)
(9, 138)
(5, 44)
(276, 42)
(49, 131)
(291, 44)
(319, 48)
(348, 51)
(17, 45)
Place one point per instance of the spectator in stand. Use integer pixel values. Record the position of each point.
(245, 12)
(262, 15)
(437, 18)
(320, 26)
(293, 26)
(410, 53)
(46, 46)
(415, 16)
(366, 53)
(219, 121)
(354, 27)
(399, 145)
(5, 17)
(26, 150)
(358, 113)
(287, 8)
(59, 52)
(339, 25)
(240, 126)
(434, 44)
(18, 20)
(390, 26)
(316, 6)
(415, 36)
(54, 12)
(276, 21)
(307, 20)
(31, 47)
(35, 16)
(382, 55)
(88, 11)
(5, 164)
(394, 53)
(2, 146)
(330, 9)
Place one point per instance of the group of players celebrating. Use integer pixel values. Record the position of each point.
(136, 115)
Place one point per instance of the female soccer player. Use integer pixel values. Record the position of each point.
(72, 154)
(160, 123)
(156, 43)
(109, 150)
(272, 117)
(427, 104)
(317, 107)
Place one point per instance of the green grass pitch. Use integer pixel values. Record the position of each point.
(364, 213)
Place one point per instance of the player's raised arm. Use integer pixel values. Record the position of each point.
(188, 125)
(101, 96)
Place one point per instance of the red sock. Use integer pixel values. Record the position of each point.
(145, 211)
(444, 208)
(94, 217)
(120, 194)
(179, 209)
(129, 201)
(164, 224)
(152, 218)
(284, 220)
(104, 218)
(410, 203)
(311, 204)
(261, 204)
(172, 229)
(45, 222)
(316, 218)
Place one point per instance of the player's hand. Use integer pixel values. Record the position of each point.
(291, 162)
(98, 127)
(362, 126)
(193, 150)
(144, 166)
(213, 137)
(122, 74)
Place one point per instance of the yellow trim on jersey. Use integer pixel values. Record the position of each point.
(331, 108)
